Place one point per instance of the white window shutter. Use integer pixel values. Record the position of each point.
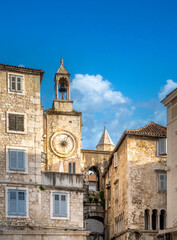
(115, 159)
(162, 146)
(162, 181)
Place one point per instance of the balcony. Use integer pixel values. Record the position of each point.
(64, 181)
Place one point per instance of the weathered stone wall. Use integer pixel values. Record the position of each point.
(58, 121)
(95, 158)
(137, 178)
(29, 104)
(39, 204)
(143, 167)
(172, 163)
(117, 208)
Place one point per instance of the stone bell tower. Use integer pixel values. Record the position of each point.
(62, 100)
(63, 127)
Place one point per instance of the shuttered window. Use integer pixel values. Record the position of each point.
(16, 202)
(116, 191)
(162, 146)
(16, 159)
(115, 159)
(15, 83)
(162, 181)
(16, 122)
(60, 205)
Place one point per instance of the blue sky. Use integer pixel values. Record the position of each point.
(122, 56)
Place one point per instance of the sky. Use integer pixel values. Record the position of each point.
(122, 56)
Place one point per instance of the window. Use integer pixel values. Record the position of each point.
(16, 122)
(116, 191)
(15, 83)
(162, 146)
(16, 202)
(60, 208)
(162, 219)
(154, 219)
(162, 183)
(16, 159)
(72, 167)
(115, 159)
(146, 219)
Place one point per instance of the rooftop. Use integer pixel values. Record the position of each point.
(152, 129)
(11, 67)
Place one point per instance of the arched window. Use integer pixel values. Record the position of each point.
(72, 167)
(146, 219)
(94, 179)
(162, 219)
(154, 219)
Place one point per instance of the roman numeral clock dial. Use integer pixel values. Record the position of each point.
(63, 144)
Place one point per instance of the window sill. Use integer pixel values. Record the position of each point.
(25, 172)
(22, 93)
(16, 216)
(60, 218)
(16, 132)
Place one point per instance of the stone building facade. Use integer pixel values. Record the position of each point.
(171, 103)
(135, 185)
(39, 201)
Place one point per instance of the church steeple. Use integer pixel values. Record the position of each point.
(105, 143)
(62, 100)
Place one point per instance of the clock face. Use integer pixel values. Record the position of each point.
(63, 144)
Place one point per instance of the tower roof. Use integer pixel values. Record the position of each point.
(105, 138)
(62, 69)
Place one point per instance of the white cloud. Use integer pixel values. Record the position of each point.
(93, 93)
(170, 85)
(21, 65)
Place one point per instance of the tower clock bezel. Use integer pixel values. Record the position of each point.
(58, 150)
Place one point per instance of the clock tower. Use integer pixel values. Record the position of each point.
(63, 128)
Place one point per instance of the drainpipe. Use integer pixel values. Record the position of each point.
(108, 186)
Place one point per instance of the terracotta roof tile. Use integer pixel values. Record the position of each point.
(151, 129)
(20, 68)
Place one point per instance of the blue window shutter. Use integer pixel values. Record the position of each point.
(12, 202)
(21, 159)
(63, 205)
(21, 202)
(56, 203)
(12, 159)
(69, 167)
(74, 167)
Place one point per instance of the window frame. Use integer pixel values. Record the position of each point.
(16, 75)
(159, 154)
(71, 167)
(7, 203)
(16, 131)
(52, 194)
(162, 173)
(8, 170)
(115, 160)
(116, 185)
